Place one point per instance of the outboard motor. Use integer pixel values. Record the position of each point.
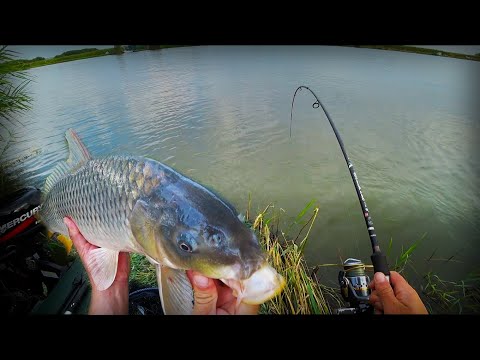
(17, 214)
(27, 273)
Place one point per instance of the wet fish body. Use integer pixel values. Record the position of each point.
(136, 204)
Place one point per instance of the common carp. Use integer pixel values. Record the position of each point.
(136, 204)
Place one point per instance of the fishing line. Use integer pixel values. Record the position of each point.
(379, 260)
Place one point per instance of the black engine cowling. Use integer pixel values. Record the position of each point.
(17, 213)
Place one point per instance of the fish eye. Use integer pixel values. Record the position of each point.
(186, 242)
(185, 247)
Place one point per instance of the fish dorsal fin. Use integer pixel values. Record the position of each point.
(78, 153)
(103, 265)
(78, 156)
(176, 292)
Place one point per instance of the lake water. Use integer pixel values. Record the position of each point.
(221, 116)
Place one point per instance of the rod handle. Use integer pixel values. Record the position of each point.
(379, 261)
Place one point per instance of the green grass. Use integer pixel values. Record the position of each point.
(22, 64)
(303, 294)
(423, 51)
(402, 260)
(142, 273)
(461, 297)
(14, 101)
(14, 96)
(441, 296)
(72, 55)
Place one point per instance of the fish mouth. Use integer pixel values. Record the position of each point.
(263, 285)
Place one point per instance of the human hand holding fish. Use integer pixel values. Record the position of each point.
(211, 296)
(114, 300)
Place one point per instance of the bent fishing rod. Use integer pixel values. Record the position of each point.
(379, 260)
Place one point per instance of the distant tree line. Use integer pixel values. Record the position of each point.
(72, 52)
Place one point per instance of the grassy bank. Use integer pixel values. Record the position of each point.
(423, 51)
(303, 293)
(24, 64)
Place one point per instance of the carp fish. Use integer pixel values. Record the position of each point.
(139, 205)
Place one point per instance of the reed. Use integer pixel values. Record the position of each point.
(303, 294)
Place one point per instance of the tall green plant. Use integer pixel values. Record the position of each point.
(14, 100)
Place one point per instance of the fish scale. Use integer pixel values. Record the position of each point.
(99, 199)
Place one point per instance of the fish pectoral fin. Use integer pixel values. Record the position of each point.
(176, 292)
(103, 267)
(152, 261)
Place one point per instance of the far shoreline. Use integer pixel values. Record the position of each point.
(421, 51)
(24, 64)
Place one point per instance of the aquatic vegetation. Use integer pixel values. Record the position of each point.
(303, 294)
(450, 296)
